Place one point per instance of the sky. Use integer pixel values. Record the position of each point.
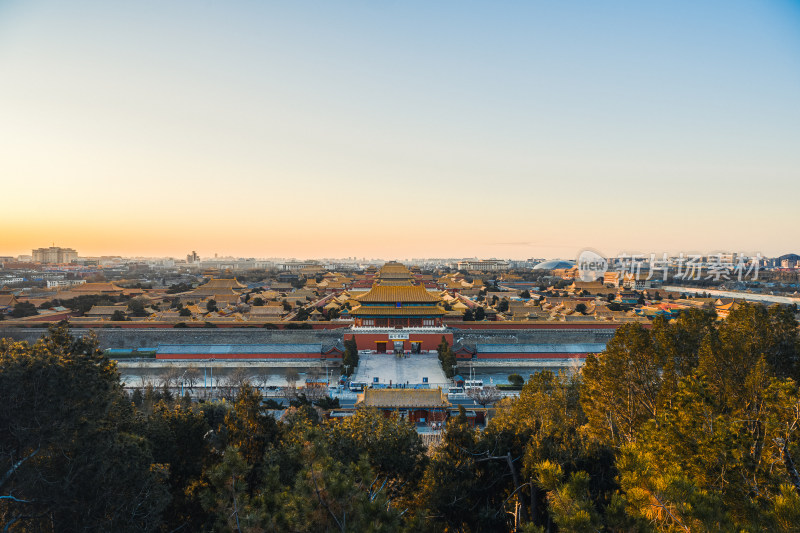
(399, 129)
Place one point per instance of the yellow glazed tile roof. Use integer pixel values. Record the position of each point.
(393, 294)
(403, 398)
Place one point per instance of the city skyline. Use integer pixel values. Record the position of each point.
(399, 130)
(193, 256)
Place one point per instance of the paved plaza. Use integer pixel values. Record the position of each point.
(410, 369)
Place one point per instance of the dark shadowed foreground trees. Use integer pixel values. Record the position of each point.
(690, 425)
(70, 456)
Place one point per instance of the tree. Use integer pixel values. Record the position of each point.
(118, 316)
(503, 306)
(350, 357)
(250, 428)
(751, 332)
(327, 403)
(192, 376)
(179, 287)
(516, 380)
(678, 343)
(447, 358)
(258, 301)
(525, 295)
(224, 495)
(176, 435)
(454, 493)
(581, 308)
(480, 313)
(543, 424)
(484, 396)
(621, 385)
(569, 502)
(23, 309)
(184, 312)
(211, 306)
(330, 496)
(292, 375)
(699, 467)
(393, 446)
(68, 456)
(468, 316)
(137, 306)
(170, 377)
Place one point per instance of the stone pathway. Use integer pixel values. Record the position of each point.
(400, 370)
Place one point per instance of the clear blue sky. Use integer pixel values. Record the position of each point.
(400, 129)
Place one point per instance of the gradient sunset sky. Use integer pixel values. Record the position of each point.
(399, 129)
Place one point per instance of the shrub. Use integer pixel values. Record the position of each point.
(516, 379)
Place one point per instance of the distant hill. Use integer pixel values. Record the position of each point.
(790, 257)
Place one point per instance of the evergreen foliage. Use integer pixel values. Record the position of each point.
(690, 425)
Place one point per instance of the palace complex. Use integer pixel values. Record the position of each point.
(397, 300)
(398, 313)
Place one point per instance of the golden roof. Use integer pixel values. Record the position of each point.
(7, 300)
(394, 282)
(375, 310)
(401, 293)
(218, 286)
(224, 283)
(394, 267)
(95, 287)
(266, 310)
(393, 272)
(399, 398)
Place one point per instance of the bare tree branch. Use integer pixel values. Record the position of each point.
(16, 466)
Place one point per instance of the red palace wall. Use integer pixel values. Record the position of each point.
(430, 341)
(534, 325)
(221, 357)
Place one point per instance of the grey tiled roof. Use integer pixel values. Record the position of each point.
(222, 349)
(595, 347)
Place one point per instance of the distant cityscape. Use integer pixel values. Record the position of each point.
(47, 284)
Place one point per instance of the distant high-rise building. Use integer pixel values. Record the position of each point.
(192, 257)
(482, 264)
(54, 254)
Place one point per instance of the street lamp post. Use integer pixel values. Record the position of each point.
(182, 381)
